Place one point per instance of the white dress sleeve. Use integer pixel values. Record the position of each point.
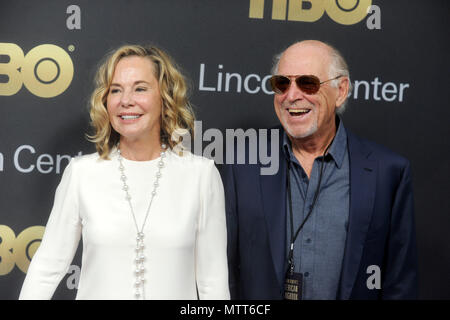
(211, 243)
(59, 243)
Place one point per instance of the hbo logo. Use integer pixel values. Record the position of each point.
(345, 12)
(18, 251)
(46, 71)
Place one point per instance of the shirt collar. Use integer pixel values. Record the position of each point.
(337, 149)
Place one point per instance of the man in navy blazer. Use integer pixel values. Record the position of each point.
(336, 221)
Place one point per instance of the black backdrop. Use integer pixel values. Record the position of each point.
(399, 46)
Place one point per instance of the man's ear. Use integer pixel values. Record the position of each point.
(343, 88)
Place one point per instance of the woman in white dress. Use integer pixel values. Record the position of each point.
(152, 220)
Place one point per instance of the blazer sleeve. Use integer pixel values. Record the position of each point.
(211, 241)
(400, 278)
(59, 243)
(232, 230)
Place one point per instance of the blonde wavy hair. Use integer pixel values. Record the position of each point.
(176, 114)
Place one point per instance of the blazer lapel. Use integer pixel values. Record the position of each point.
(363, 173)
(273, 194)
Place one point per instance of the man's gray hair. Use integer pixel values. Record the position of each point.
(337, 67)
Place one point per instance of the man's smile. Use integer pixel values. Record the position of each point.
(296, 112)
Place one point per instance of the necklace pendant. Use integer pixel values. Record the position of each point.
(139, 260)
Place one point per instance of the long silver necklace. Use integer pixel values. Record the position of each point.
(139, 261)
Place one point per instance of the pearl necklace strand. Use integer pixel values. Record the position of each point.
(140, 246)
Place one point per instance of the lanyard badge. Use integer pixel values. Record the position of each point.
(293, 286)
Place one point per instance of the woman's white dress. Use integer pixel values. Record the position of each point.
(185, 233)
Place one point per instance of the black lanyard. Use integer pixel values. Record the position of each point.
(316, 195)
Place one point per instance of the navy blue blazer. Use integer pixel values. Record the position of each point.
(381, 228)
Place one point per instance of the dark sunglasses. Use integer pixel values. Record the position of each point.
(309, 84)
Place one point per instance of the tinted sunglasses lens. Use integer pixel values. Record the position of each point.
(308, 84)
(280, 84)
